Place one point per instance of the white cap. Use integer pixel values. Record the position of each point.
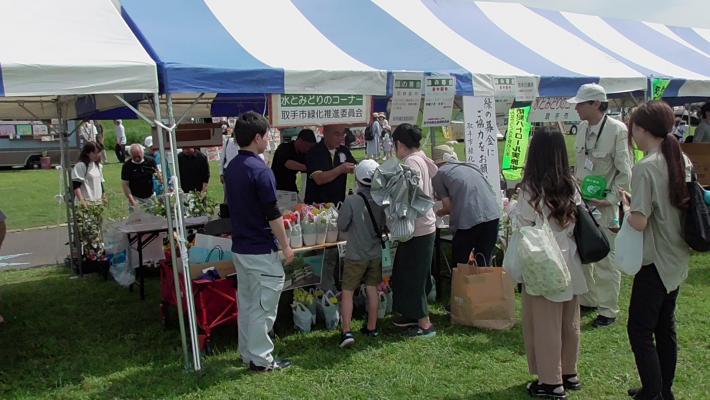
(589, 92)
(148, 142)
(364, 171)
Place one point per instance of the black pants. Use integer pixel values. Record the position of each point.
(411, 277)
(120, 150)
(652, 315)
(481, 239)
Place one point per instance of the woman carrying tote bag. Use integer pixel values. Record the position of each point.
(551, 322)
(659, 198)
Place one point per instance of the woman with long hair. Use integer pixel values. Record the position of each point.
(551, 323)
(660, 197)
(411, 272)
(89, 198)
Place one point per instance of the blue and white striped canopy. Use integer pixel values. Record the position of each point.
(352, 46)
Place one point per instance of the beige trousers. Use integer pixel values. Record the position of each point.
(551, 335)
(604, 282)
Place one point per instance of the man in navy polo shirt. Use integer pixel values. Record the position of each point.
(329, 163)
(256, 227)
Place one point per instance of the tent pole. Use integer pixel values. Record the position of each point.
(182, 241)
(171, 239)
(74, 244)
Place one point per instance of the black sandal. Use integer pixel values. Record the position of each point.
(571, 382)
(541, 390)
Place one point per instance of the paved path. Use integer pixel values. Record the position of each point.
(32, 248)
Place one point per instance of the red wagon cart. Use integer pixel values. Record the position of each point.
(215, 299)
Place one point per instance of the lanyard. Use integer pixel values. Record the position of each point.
(601, 129)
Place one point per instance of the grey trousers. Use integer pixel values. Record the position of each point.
(260, 281)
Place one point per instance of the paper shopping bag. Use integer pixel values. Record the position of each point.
(482, 297)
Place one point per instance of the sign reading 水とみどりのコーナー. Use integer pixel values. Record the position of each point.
(406, 98)
(439, 92)
(319, 109)
(480, 133)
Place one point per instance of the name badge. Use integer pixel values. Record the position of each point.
(589, 165)
(343, 158)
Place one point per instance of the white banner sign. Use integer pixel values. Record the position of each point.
(504, 87)
(552, 109)
(526, 88)
(480, 133)
(406, 98)
(319, 109)
(439, 92)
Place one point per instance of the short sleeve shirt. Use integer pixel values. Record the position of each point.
(250, 184)
(194, 171)
(320, 159)
(663, 241)
(90, 179)
(139, 177)
(472, 198)
(286, 178)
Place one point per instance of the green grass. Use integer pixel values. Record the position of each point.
(27, 197)
(90, 339)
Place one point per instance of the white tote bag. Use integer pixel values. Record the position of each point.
(628, 249)
(545, 271)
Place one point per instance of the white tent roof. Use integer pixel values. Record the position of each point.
(55, 48)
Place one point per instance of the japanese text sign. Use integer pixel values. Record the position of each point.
(439, 92)
(319, 109)
(658, 88)
(516, 143)
(480, 135)
(552, 109)
(406, 98)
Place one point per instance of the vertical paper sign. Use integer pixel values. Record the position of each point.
(480, 133)
(406, 98)
(516, 143)
(658, 88)
(439, 92)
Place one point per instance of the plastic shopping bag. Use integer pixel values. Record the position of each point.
(302, 317)
(628, 249)
(331, 311)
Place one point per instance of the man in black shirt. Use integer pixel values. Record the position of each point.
(194, 170)
(290, 159)
(137, 176)
(328, 164)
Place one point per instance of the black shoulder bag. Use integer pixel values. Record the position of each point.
(592, 243)
(697, 217)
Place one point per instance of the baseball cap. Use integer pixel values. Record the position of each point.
(364, 171)
(443, 153)
(589, 92)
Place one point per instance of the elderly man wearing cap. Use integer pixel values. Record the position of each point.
(468, 198)
(602, 149)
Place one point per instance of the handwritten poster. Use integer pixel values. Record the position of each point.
(480, 133)
(439, 92)
(406, 98)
